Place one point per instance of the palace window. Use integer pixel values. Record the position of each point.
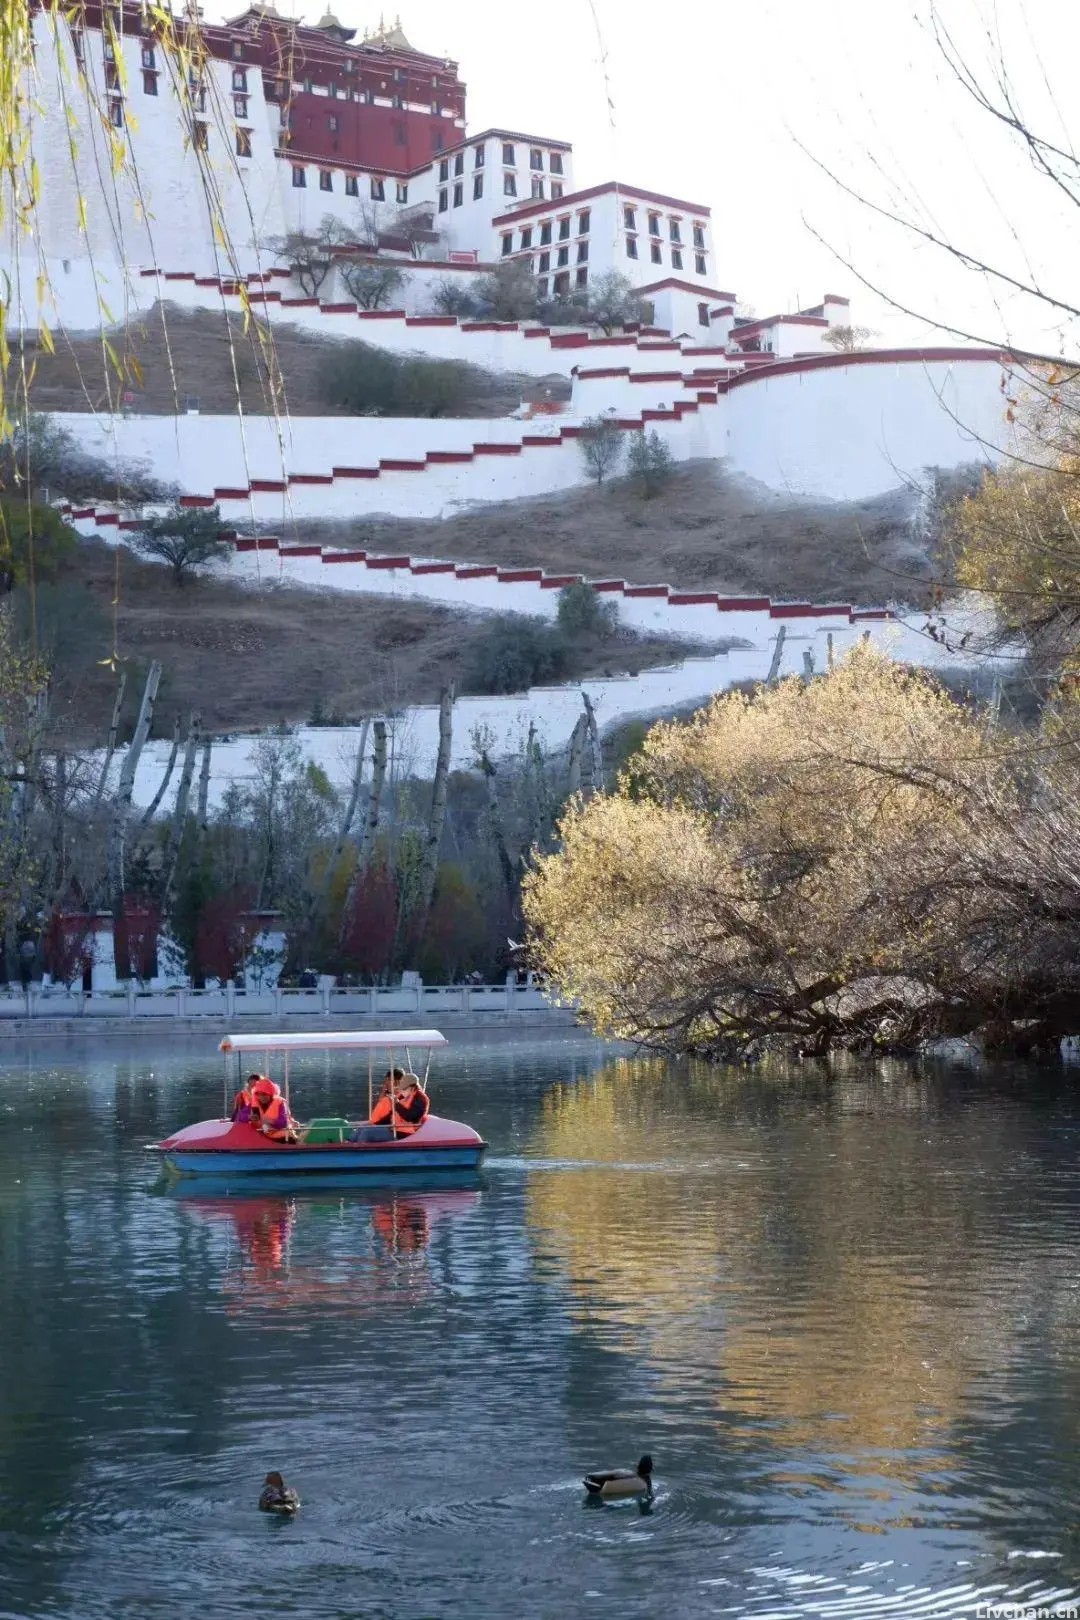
(545, 261)
(629, 219)
(398, 75)
(542, 287)
(556, 191)
(459, 163)
(562, 284)
(326, 180)
(112, 77)
(401, 193)
(545, 233)
(378, 190)
(699, 263)
(148, 60)
(674, 230)
(703, 314)
(444, 170)
(699, 237)
(477, 186)
(299, 177)
(332, 123)
(507, 244)
(536, 158)
(564, 229)
(459, 194)
(582, 252)
(399, 102)
(400, 138)
(352, 186)
(584, 220)
(238, 49)
(478, 157)
(555, 162)
(526, 238)
(243, 143)
(116, 116)
(676, 258)
(509, 186)
(107, 51)
(78, 46)
(655, 253)
(654, 224)
(631, 247)
(582, 277)
(239, 79)
(334, 92)
(564, 257)
(149, 84)
(200, 134)
(444, 200)
(240, 106)
(537, 187)
(508, 154)
(438, 140)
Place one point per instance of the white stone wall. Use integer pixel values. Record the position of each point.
(848, 430)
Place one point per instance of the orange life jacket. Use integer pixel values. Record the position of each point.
(406, 1126)
(275, 1122)
(243, 1104)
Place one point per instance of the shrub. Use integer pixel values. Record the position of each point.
(511, 654)
(601, 442)
(31, 535)
(509, 292)
(370, 282)
(185, 538)
(450, 298)
(365, 381)
(583, 611)
(651, 462)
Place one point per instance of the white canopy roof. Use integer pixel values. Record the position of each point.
(334, 1040)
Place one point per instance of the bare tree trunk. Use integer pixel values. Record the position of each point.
(120, 814)
(594, 742)
(429, 864)
(179, 815)
(778, 652)
(577, 748)
(111, 749)
(378, 779)
(155, 802)
(830, 651)
(204, 785)
(317, 900)
(506, 865)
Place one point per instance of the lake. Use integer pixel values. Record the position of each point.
(842, 1312)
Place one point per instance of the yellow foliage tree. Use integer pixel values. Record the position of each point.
(839, 863)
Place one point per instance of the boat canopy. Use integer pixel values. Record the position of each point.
(336, 1040)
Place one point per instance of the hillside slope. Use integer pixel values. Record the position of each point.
(246, 657)
(181, 354)
(707, 530)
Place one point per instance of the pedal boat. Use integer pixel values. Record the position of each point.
(223, 1147)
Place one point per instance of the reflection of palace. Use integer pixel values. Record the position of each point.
(289, 1254)
(776, 1269)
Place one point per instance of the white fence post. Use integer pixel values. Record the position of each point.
(131, 998)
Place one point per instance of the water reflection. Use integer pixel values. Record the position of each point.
(839, 1309)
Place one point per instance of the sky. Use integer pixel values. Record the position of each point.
(743, 107)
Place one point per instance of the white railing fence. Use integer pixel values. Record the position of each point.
(331, 1002)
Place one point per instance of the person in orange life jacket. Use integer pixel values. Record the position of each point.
(243, 1108)
(411, 1106)
(271, 1112)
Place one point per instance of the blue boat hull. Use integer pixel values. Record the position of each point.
(324, 1160)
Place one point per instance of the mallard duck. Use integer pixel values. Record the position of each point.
(622, 1481)
(277, 1497)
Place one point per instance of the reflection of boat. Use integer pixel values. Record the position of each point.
(230, 1149)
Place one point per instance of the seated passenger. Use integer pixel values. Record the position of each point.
(411, 1106)
(383, 1110)
(243, 1108)
(271, 1112)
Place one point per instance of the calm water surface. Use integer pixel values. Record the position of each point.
(843, 1314)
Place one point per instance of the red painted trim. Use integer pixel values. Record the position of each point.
(693, 598)
(520, 576)
(107, 518)
(196, 500)
(431, 568)
(338, 309)
(791, 610)
(344, 556)
(656, 377)
(381, 314)
(743, 604)
(476, 573)
(300, 551)
(445, 457)
(601, 371)
(868, 357)
(497, 449)
(300, 303)
(268, 486)
(535, 439)
(389, 562)
(559, 582)
(311, 478)
(430, 320)
(571, 200)
(225, 494)
(646, 590)
(394, 465)
(702, 293)
(356, 472)
(609, 585)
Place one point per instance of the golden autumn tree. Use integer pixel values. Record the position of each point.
(843, 863)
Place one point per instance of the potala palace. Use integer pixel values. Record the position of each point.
(170, 184)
